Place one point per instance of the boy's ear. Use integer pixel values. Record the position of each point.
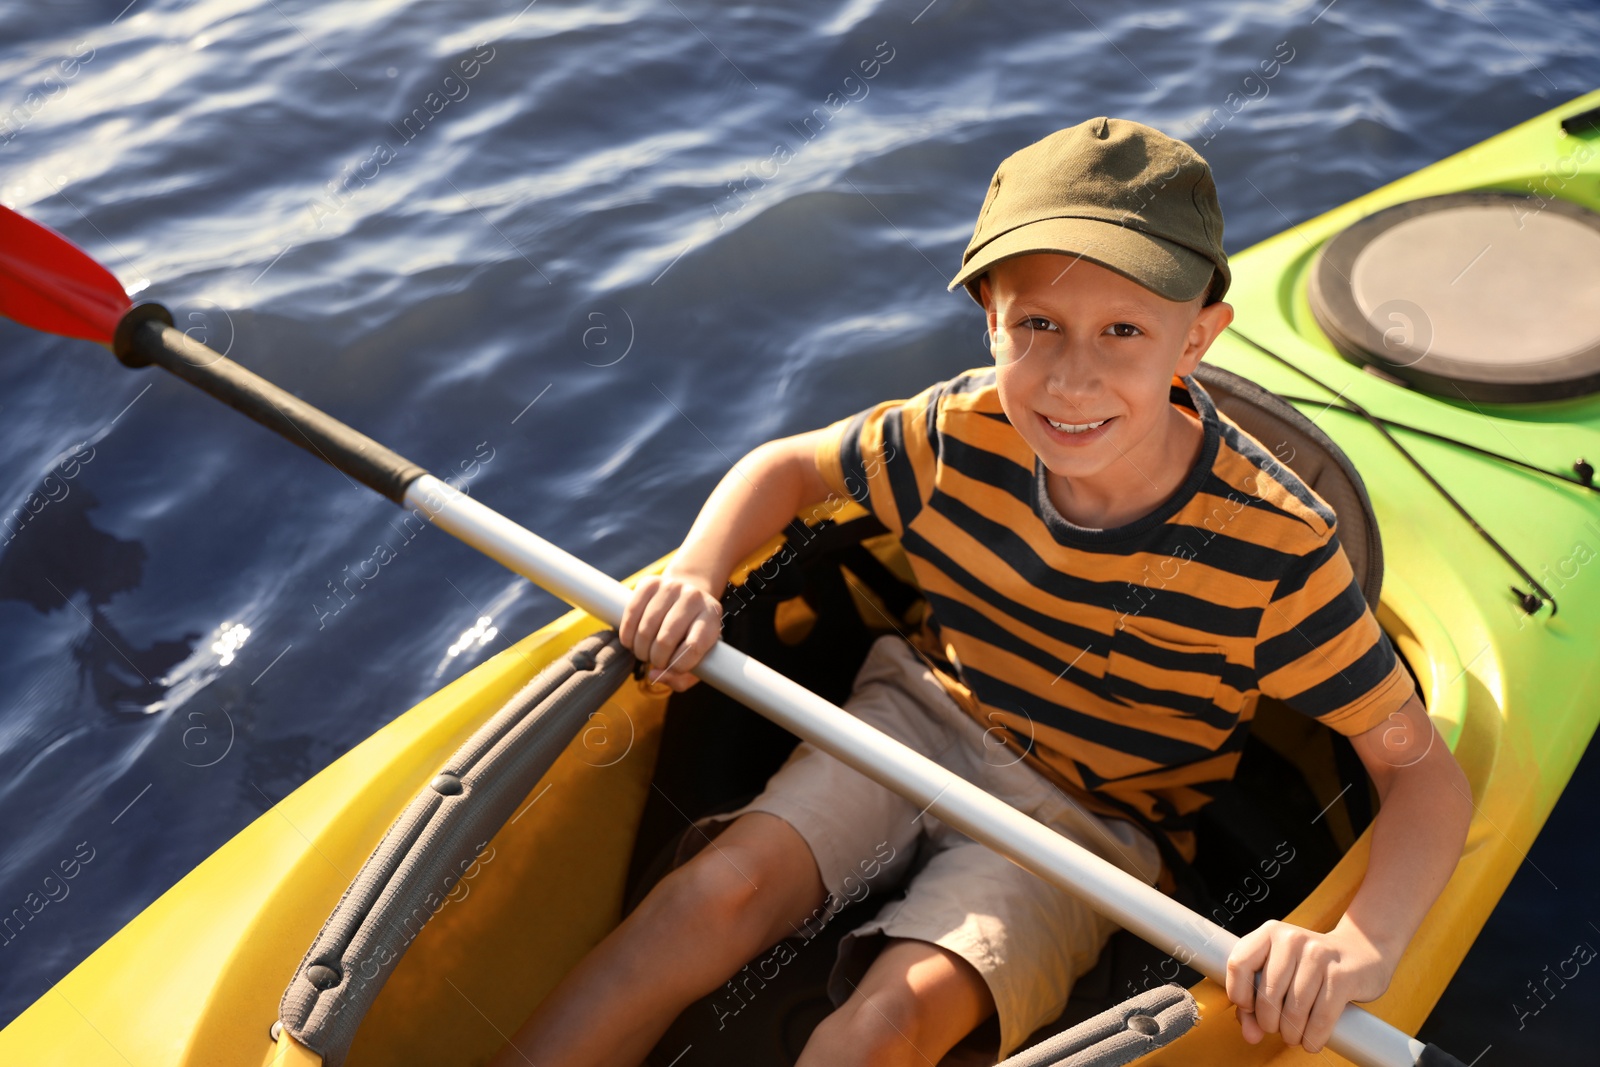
(1208, 324)
(986, 295)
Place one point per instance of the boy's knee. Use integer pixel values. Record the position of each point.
(882, 1031)
(726, 895)
(707, 891)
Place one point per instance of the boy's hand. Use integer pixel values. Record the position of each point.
(670, 622)
(1306, 980)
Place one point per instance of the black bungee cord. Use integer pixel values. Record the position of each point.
(1529, 602)
(1583, 471)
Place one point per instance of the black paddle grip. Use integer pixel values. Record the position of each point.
(146, 335)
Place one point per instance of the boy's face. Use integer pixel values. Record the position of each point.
(1084, 360)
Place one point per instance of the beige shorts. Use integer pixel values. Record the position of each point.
(1029, 940)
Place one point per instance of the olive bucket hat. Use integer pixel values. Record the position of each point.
(1111, 191)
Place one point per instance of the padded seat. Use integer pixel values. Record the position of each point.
(1300, 445)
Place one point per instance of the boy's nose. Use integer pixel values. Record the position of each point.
(1074, 374)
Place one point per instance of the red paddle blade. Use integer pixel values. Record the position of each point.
(51, 284)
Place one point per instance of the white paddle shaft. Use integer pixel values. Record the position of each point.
(1359, 1035)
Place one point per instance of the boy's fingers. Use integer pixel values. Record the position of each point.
(670, 632)
(684, 639)
(1292, 1017)
(1319, 1027)
(703, 633)
(1277, 978)
(680, 681)
(1304, 991)
(634, 607)
(1252, 1029)
(685, 652)
(1243, 963)
(633, 617)
(650, 623)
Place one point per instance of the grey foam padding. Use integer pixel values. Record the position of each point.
(1158, 1017)
(438, 836)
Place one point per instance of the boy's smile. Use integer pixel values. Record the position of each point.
(1084, 361)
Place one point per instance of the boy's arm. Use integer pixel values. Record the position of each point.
(1307, 978)
(672, 619)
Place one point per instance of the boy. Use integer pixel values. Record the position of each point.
(1115, 574)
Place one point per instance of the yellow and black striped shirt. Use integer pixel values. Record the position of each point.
(1123, 662)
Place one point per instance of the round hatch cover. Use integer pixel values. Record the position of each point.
(1488, 296)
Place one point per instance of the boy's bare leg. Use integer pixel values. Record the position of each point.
(913, 1005)
(739, 895)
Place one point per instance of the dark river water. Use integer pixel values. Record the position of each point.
(588, 254)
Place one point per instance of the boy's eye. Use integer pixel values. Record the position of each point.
(1124, 329)
(1038, 322)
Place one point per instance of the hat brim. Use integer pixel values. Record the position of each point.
(1169, 270)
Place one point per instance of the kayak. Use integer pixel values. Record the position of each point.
(1489, 610)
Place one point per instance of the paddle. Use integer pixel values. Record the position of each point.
(48, 283)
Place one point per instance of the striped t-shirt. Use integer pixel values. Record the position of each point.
(1125, 662)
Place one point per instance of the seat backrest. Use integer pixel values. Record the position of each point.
(1301, 446)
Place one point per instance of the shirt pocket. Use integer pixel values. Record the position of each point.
(1144, 670)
